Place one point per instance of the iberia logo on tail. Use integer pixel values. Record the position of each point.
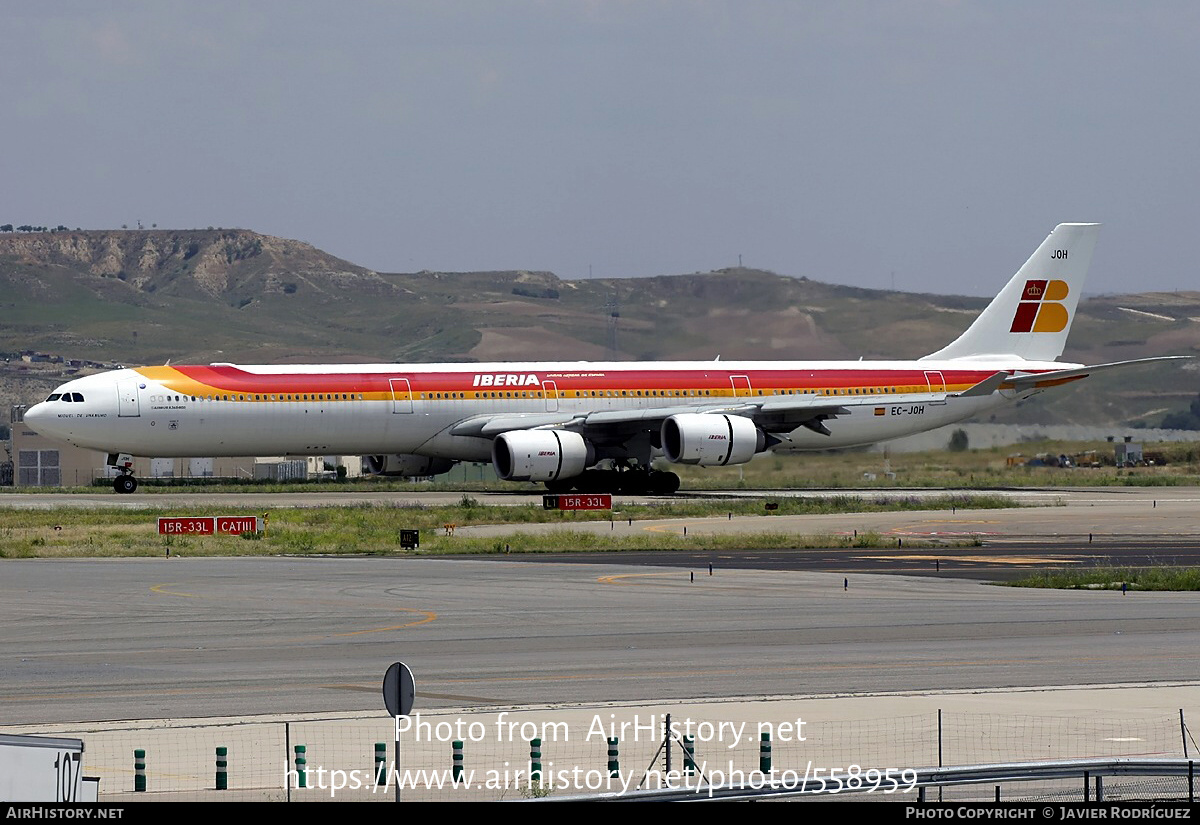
(1039, 309)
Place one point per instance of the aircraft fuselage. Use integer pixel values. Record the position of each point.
(388, 408)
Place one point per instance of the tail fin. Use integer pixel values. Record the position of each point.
(1032, 315)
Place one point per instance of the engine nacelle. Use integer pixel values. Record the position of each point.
(541, 455)
(711, 440)
(406, 465)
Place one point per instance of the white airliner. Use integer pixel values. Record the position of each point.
(555, 422)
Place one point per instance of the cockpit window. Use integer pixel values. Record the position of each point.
(66, 396)
(54, 396)
(77, 397)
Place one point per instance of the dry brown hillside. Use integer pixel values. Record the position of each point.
(146, 296)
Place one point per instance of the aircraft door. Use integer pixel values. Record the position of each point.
(401, 395)
(551, 390)
(936, 381)
(741, 386)
(128, 403)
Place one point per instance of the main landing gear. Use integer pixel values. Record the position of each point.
(627, 481)
(125, 482)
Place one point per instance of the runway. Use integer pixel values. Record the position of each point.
(144, 639)
(120, 639)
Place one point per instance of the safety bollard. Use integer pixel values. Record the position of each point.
(222, 768)
(139, 770)
(689, 755)
(301, 766)
(535, 760)
(458, 758)
(381, 763)
(764, 753)
(614, 757)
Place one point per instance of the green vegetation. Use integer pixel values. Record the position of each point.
(375, 529)
(293, 541)
(1113, 578)
(1176, 464)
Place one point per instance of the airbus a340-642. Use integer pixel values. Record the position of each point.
(581, 425)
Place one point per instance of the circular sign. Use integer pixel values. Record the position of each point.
(399, 690)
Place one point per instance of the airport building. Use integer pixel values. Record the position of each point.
(36, 461)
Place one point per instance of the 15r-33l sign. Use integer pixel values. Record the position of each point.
(585, 501)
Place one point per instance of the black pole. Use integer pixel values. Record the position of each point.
(1183, 733)
(940, 765)
(287, 757)
(667, 733)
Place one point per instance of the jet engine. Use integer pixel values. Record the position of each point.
(541, 455)
(406, 465)
(711, 439)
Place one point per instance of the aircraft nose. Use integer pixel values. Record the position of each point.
(34, 415)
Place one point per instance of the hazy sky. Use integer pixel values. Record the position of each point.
(939, 141)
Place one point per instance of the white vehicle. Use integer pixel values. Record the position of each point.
(555, 422)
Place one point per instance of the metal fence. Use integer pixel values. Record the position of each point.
(333, 759)
(1065, 781)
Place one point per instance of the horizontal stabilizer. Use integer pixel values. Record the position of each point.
(985, 387)
(1041, 380)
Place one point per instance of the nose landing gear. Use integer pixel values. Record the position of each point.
(125, 482)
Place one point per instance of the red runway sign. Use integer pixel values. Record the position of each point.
(200, 526)
(582, 501)
(209, 525)
(237, 525)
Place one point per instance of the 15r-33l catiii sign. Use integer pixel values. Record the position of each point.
(209, 525)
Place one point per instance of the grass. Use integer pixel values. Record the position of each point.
(290, 542)
(1112, 578)
(358, 529)
(979, 469)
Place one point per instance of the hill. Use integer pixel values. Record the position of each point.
(146, 296)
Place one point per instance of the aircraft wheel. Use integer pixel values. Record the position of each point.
(124, 484)
(594, 481)
(635, 483)
(664, 484)
(561, 485)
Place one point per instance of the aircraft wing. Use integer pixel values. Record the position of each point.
(774, 414)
